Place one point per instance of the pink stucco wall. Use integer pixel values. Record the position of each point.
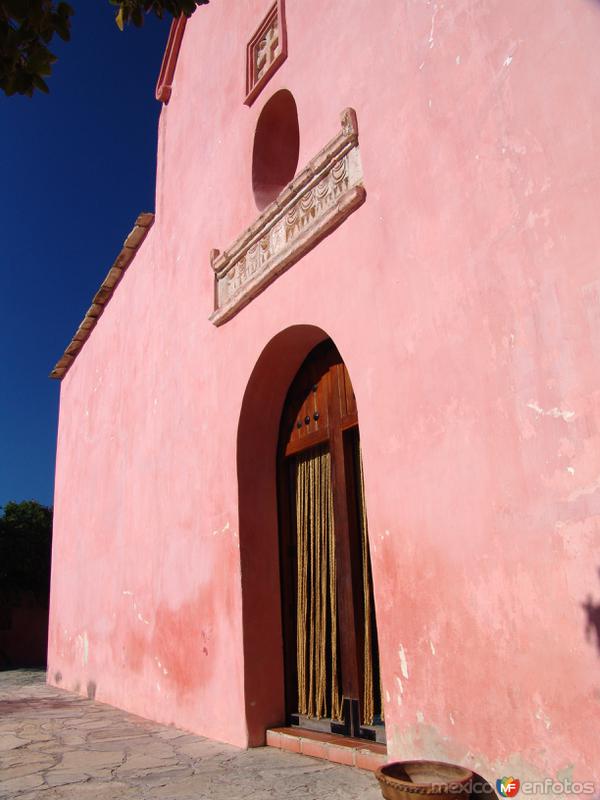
(464, 296)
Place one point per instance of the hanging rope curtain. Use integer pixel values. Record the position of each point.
(368, 708)
(316, 580)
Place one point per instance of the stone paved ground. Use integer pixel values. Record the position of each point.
(56, 745)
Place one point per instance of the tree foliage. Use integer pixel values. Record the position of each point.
(25, 548)
(27, 27)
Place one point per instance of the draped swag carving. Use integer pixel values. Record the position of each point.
(310, 207)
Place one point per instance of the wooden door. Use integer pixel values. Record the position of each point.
(330, 634)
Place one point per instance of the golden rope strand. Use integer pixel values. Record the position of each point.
(324, 582)
(298, 487)
(301, 611)
(318, 570)
(311, 616)
(305, 534)
(305, 479)
(324, 461)
(336, 704)
(368, 700)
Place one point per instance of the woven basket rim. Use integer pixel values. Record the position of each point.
(424, 788)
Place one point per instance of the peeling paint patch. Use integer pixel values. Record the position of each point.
(136, 609)
(224, 529)
(420, 716)
(571, 470)
(403, 662)
(83, 647)
(544, 718)
(555, 413)
(584, 491)
(431, 40)
(507, 61)
(160, 666)
(458, 59)
(451, 718)
(432, 646)
(426, 738)
(533, 217)
(566, 775)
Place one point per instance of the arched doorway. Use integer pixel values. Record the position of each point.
(257, 441)
(331, 659)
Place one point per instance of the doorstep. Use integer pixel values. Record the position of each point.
(339, 749)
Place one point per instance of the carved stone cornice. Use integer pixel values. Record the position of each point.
(102, 297)
(164, 84)
(327, 191)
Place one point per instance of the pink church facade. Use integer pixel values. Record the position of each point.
(433, 215)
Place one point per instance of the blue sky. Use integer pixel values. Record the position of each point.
(78, 165)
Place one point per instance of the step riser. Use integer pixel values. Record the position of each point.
(362, 758)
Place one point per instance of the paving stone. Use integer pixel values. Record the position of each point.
(20, 770)
(138, 762)
(63, 777)
(92, 762)
(24, 756)
(9, 741)
(72, 739)
(114, 732)
(14, 785)
(57, 746)
(173, 733)
(160, 776)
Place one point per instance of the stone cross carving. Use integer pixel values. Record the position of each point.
(266, 51)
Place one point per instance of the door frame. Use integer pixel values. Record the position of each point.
(347, 541)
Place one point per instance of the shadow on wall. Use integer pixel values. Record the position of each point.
(592, 623)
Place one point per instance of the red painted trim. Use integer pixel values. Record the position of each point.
(252, 91)
(164, 83)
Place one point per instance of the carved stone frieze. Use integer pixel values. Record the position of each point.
(324, 193)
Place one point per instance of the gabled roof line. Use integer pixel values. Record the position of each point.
(164, 84)
(130, 247)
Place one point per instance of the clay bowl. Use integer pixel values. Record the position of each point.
(432, 780)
